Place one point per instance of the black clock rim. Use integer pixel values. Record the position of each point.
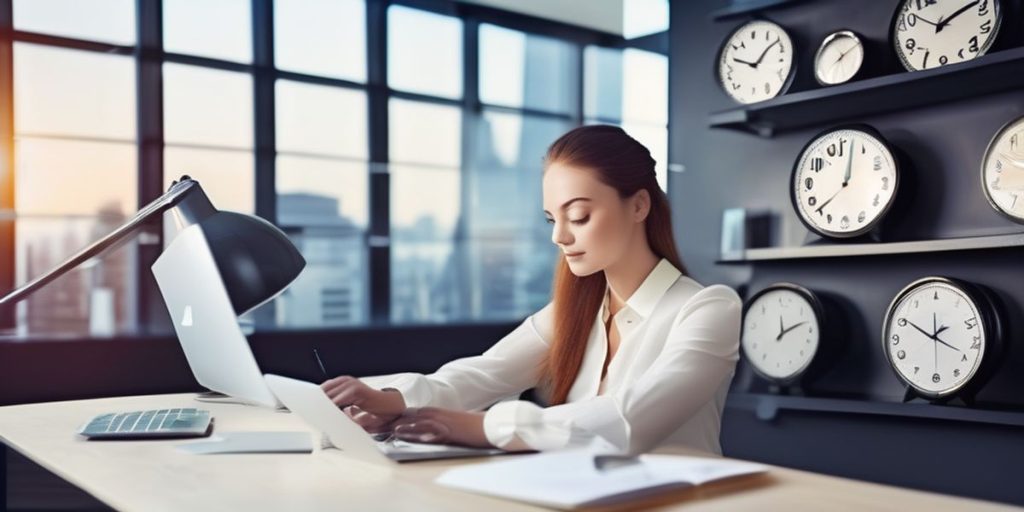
(989, 317)
(721, 50)
(894, 43)
(817, 55)
(984, 158)
(871, 131)
(819, 314)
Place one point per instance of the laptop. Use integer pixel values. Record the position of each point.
(311, 404)
(207, 328)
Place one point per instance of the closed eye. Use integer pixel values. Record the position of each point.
(549, 221)
(582, 221)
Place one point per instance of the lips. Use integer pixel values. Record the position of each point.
(573, 254)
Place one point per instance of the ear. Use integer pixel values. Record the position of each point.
(641, 205)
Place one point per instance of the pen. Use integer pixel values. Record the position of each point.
(320, 363)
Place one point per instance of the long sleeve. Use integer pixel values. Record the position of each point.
(699, 355)
(506, 369)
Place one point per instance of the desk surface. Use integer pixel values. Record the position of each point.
(153, 475)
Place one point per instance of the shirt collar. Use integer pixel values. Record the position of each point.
(646, 297)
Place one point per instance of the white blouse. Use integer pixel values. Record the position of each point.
(666, 384)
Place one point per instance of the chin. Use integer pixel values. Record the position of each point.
(580, 269)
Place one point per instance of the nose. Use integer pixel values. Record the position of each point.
(560, 234)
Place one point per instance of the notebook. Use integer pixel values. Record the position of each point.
(577, 478)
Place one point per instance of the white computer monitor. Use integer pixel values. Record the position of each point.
(205, 322)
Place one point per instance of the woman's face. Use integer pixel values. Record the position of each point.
(591, 225)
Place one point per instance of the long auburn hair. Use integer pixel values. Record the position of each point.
(624, 164)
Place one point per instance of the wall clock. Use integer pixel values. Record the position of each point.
(844, 181)
(839, 58)
(782, 334)
(928, 33)
(756, 62)
(1002, 170)
(942, 336)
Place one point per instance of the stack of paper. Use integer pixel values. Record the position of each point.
(575, 478)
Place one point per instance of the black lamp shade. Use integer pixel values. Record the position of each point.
(256, 259)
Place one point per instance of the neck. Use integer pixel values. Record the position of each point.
(628, 274)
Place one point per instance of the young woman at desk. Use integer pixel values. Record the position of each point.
(630, 351)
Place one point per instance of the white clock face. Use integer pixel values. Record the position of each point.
(839, 58)
(1002, 171)
(755, 62)
(844, 183)
(780, 334)
(929, 33)
(934, 338)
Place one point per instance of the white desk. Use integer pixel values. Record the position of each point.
(153, 475)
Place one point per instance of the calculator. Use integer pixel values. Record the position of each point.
(154, 423)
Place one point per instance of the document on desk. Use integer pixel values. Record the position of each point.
(576, 478)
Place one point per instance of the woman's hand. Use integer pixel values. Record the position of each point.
(441, 426)
(346, 391)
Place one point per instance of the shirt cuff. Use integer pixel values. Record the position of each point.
(414, 387)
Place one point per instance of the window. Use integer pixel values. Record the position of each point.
(321, 37)
(110, 21)
(208, 128)
(221, 29)
(364, 124)
(322, 202)
(630, 88)
(75, 157)
(424, 52)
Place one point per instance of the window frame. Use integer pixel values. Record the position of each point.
(149, 57)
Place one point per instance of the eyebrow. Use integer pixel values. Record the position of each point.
(567, 203)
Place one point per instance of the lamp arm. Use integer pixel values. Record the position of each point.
(185, 191)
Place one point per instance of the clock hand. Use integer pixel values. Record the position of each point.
(943, 328)
(751, 64)
(790, 328)
(934, 324)
(823, 205)
(765, 52)
(919, 329)
(943, 23)
(849, 166)
(1013, 161)
(932, 23)
(936, 338)
(782, 330)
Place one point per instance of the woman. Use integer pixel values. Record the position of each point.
(630, 353)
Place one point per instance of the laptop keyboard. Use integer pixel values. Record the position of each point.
(149, 423)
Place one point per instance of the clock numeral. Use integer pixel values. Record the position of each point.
(844, 222)
(974, 44)
(809, 183)
(735, 86)
(812, 200)
(916, 304)
(885, 183)
(910, 44)
(924, 63)
(767, 88)
(895, 339)
(986, 27)
(861, 217)
(902, 322)
(1013, 141)
(963, 359)
(971, 322)
(936, 378)
(936, 296)
(976, 345)
(917, 369)
(834, 150)
(926, 4)
(912, 20)
(829, 218)
(956, 371)
(878, 163)
(901, 25)
(960, 53)
(901, 354)
(817, 163)
(875, 202)
(943, 60)
(753, 34)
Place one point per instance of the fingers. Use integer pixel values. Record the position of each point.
(370, 422)
(423, 431)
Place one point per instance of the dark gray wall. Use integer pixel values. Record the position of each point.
(942, 145)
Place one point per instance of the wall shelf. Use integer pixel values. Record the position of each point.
(995, 72)
(838, 249)
(767, 408)
(738, 8)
